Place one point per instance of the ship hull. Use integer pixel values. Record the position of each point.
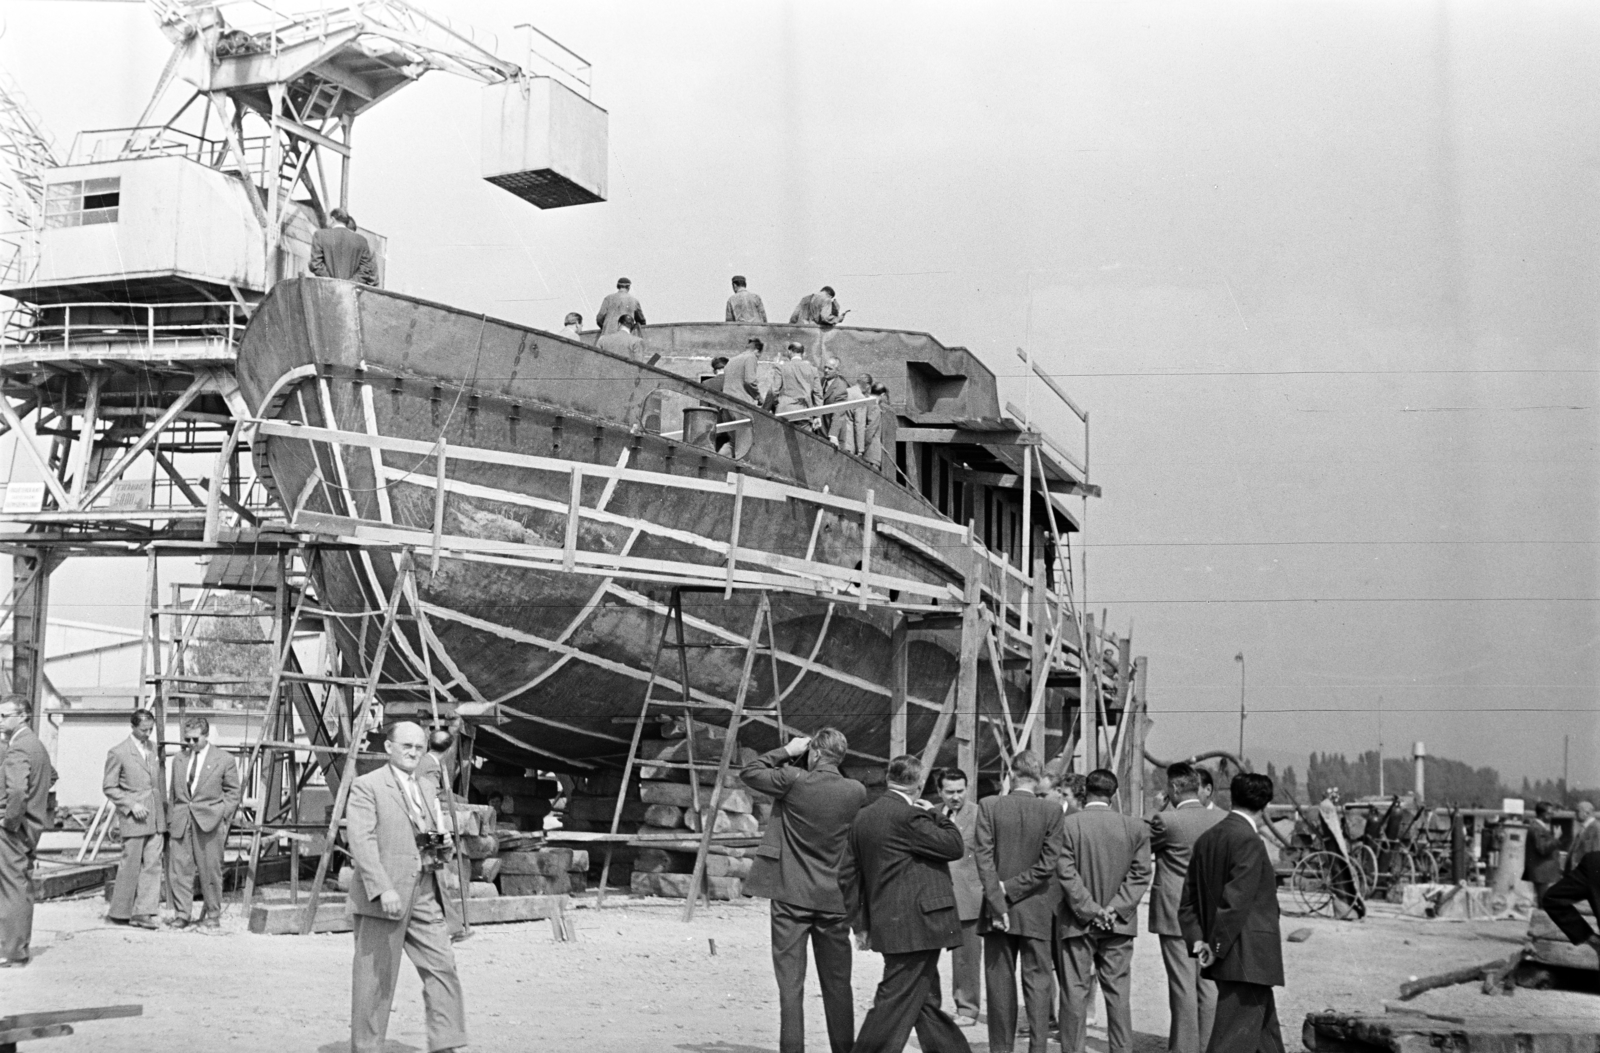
(565, 655)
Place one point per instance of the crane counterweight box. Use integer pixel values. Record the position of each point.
(544, 143)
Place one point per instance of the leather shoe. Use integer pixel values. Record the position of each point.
(179, 923)
(144, 921)
(208, 923)
(13, 963)
(966, 1021)
(117, 921)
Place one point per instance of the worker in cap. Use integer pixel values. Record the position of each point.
(617, 304)
(745, 306)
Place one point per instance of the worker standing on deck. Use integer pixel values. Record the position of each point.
(572, 325)
(881, 428)
(818, 308)
(26, 776)
(609, 318)
(339, 251)
(132, 784)
(624, 340)
(742, 380)
(834, 389)
(799, 383)
(744, 306)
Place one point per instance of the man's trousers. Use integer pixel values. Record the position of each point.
(1108, 956)
(830, 942)
(16, 896)
(422, 936)
(1191, 998)
(1000, 953)
(966, 970)
(196, 852)
(907, 998)
(1247, 1020)
(138, 889)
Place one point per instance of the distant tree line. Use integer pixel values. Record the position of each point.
(1447, 781)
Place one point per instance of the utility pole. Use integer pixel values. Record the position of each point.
(1240, 659)
(1566, 741)
(1380, 745)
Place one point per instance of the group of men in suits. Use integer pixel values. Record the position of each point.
(1051, 887)
(186, 812)
(26, 776)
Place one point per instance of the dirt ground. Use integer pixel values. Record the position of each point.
(636, 979)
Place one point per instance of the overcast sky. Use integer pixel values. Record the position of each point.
(1324, 275)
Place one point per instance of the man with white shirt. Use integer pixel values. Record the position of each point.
(1191, 998)
(1585, 835)
(1230, 918)
(398, 845)
(205, 794)
(132, 784)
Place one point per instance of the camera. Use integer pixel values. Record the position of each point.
(435, 847)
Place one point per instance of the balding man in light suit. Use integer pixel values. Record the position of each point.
(205, 794)
(397, 896)
(1191, 998)
(132, 784)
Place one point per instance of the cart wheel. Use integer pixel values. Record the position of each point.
(1312, 882)
(1365, 861)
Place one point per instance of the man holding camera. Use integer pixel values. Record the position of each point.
(398, 843)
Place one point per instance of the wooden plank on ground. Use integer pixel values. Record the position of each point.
(69, 1016)
(277, 919)
(65, 881)
(1334, 1032)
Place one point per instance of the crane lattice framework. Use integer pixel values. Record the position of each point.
(143, 253)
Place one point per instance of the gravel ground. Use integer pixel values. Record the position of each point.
(636, 979)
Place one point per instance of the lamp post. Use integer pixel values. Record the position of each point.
(1240, 659)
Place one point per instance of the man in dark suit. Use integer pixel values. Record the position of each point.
(397, 896)
(1230, 918)
(896, 879)
(1191, 998)
(205, 794)
(339, 251)
(965, 960)
(797, 869)
(26, 776)
(1018, 846)
(132, 783)
(1581, 883)
(1543, 864)
(1104, 871)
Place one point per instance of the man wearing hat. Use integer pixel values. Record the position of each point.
(617, 304)
(745, 306)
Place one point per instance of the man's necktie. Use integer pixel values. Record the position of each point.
(194, 771)
(414, 798)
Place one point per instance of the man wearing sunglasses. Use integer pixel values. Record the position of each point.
(205, 794)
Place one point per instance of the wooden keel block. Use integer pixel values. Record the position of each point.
(534, 884)
(664, 815)
(676, 886)
(549, 862)
(479, 846)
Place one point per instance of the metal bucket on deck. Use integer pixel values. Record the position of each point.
(700, 426)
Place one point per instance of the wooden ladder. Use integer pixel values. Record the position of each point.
(673, 638)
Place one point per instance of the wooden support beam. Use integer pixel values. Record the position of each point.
(941, 727)
(1039, 660)
(900, 646)
(967, 437)
(1137, 707)
(972, 639)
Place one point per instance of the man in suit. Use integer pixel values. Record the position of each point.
(398, 847)
(896, 879)
(132, 784)
(797, 869)
(624, 340)
(617, 304)
(745, 306)
(1229, 913)
(1581, 883)
(26, 776)
(205, 794)
(1191, 998)
(965, 959)
(1018, 847)
(1543, 864)
(1104, 870)
(1585, 835)
(339, 251)
(799, 383)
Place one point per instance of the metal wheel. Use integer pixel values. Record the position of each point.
(1312, 882)
(1425, 864)
(1365, 861)
(1402, 872)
